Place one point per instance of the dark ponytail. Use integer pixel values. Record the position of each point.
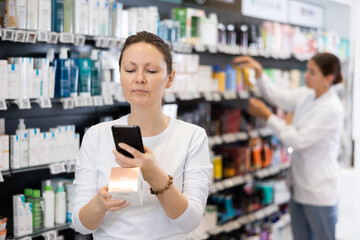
(329, 64)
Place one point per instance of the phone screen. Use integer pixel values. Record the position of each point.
(130, 135)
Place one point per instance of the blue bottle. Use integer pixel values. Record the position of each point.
(74, 76)
(95, 73)
(57, 15)
(230, 78)
(62, 74)
(85, 77)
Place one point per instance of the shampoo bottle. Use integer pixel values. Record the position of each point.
(49, 205)
(95, 73)
(62, 75)
(60, 204)
(85, 77)
(24, 143)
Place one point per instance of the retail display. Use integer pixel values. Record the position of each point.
(217, 92)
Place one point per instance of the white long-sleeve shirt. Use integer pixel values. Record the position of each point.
(181, 150)
(314, 136)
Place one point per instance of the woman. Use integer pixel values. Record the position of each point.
(172, 147)
(315, 138)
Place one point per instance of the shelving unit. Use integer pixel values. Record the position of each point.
(84, 112)
(50, 233)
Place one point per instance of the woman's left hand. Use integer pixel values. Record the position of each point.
(145, 161)
(258, 108)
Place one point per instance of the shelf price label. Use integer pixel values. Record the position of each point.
(216, 97)
(3, 104)
(66, 38)
(70, 166)
(78, 101)
(169, 98)
(88, 101)
(44, 102)
(79, 40)
(8, 34)
(68, 103)
(1, 177)
(50, 235)
(108, 100)
(98, 101)
(43, 36)
(195, 95)
(57, 168)
(208, 96)
(105, 43)
(30, 37)
(20, 36)
(25, 238)
(23, 103)
(229, 95)
(53, 37)
(244, 94)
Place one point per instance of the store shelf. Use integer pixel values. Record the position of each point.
(239, 180)
(55, 168)
(249, 218)
(239, 136)
(43, 232)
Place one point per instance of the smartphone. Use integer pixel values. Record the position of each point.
(130, 135)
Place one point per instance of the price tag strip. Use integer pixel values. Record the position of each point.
(44, 102)
(3, 104)
(68, 103)
(23, 103)
(57, 168)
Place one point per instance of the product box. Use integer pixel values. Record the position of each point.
(3, 79)
(2, 126)
(28, 218)
(4, 158)
(19, 214)
(13, 81)
(128, 184)
(14, 151)
(3, 222)
(3, 234)
(189, 19)
(34, 146)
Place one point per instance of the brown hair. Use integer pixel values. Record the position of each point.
(153, 40)
(329, 64)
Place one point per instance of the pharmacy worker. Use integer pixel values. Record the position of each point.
(176, 165)
(314, 136)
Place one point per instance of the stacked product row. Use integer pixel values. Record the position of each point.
(25, 78)
(30, 147)
(85, 17)
(192, 77)
(32, 212)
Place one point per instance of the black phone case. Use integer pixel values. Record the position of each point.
(130, 135)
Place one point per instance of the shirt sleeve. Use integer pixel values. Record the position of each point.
(197, 175)
(85, 179)
(323, 122)
(285, 99)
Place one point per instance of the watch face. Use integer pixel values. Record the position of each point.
(201, 2)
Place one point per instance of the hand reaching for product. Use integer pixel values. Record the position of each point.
(258, 108)
(249, 62)
(105, 202)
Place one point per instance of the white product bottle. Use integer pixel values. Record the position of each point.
(60, 204)
(24, 143)
(49, 205)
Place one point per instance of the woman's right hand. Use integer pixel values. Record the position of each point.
(105, 203)
(249, 62)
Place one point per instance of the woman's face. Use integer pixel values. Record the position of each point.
(314, 78)
(144, 74)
